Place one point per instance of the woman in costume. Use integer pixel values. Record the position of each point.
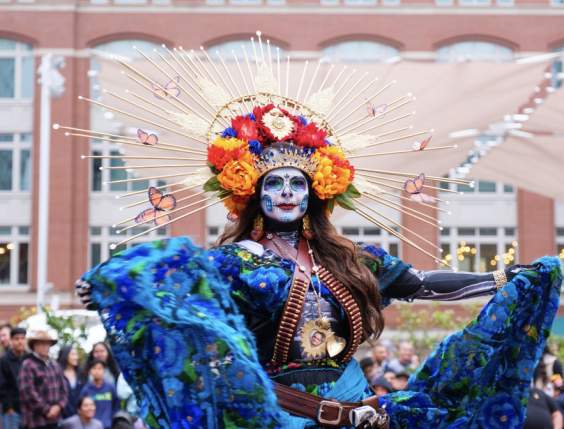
(259, 332)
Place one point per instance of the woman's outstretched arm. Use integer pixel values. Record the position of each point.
(442, 285)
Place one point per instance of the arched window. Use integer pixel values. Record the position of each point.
(360, 51)
(16, 70)
(474, 51)
(239, 47)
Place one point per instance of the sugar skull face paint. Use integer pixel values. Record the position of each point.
(284, 195)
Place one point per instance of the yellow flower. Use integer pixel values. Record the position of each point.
(239, 176)
(333, 174)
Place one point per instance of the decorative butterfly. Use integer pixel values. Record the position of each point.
(415, 185)
(171, 88)
(374, 110)
(146, 138)
(421, 145)
(161, 203)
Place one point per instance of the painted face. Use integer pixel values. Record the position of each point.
(284, 195)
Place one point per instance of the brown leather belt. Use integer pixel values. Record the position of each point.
(326, 412)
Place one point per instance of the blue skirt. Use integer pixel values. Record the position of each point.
(185, 350)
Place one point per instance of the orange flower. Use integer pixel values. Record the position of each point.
(223, 150)
(239, 176)
(333, 174)
(235, 204)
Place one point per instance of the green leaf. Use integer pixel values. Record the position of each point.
(345, 202)
(352, 192)
(223, 193)
(204, 289)
(331, 205)
(212, 184)
(189, 373)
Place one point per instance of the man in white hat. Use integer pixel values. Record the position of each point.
(43, 392)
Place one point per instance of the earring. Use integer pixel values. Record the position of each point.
(258, 228)
(307, 232)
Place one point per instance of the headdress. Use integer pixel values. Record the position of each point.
(238, 121)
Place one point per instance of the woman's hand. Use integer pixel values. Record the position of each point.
(84, 292)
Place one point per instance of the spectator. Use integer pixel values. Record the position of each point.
(68, 361)
(125, 393)
(542, 411)
(367, 366)
(380, 356)
(400, 381)
(10, 365)
(103, 393)
(123, 420)
(102, 352)
(42, 387)
(381, 386)
(85, 418)
(5, 329)
(406, 361)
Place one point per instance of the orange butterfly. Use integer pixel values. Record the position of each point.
(160, 203)
(415, 185)
(171, 88)
(146, 138)
(421, 145)
(374, 110)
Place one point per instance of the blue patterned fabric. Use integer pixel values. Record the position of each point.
(169, 308)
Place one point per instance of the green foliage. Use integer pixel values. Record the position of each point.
(425, 327)
(69, 331)
(556, 343)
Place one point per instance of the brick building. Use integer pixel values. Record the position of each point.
(487, 222)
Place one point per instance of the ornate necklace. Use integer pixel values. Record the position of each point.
(317, 338)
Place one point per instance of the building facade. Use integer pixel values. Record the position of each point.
(492, 226)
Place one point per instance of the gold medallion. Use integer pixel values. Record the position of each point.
(318, 339)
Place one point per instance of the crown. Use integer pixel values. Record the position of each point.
(226, 125)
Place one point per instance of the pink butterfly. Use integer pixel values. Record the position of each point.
(415, 185)
(171, 88)
(146, 138)
(421, 145)
(161, 203)
(375, 110)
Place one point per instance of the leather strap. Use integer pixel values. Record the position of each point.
(326, 412)
(296, 296)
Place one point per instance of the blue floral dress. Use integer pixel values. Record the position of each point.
(178, 320)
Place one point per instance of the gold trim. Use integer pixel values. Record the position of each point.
(500, 278)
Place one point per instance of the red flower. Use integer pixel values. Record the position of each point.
(266, 135)
(245, 127)
(310, 136)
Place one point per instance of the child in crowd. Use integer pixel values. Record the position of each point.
(103, 393)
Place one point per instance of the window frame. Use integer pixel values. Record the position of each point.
(20, 52)
(17, 146)
(17, 238)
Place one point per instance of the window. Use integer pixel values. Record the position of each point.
(466, 256)
(14, 256)
(508, 189)
(360, 51)
(474, 2)
(360, 2)
(488, 231)
(444, 2)
(101, 237)
(15, 162)
(16, 70)
(557, 2)
(347, 230)
(506, 3)
(488, 260)
(466, 231)
(241, 47)
(474, 51)
(484, 186)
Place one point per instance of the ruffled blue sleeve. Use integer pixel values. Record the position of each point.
(179, 339)
(385, 267)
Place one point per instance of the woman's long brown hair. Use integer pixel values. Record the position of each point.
(337, 254)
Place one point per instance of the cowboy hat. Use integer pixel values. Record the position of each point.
(40, 336)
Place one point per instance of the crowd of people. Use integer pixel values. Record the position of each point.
(388, 367)
(38, 392)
